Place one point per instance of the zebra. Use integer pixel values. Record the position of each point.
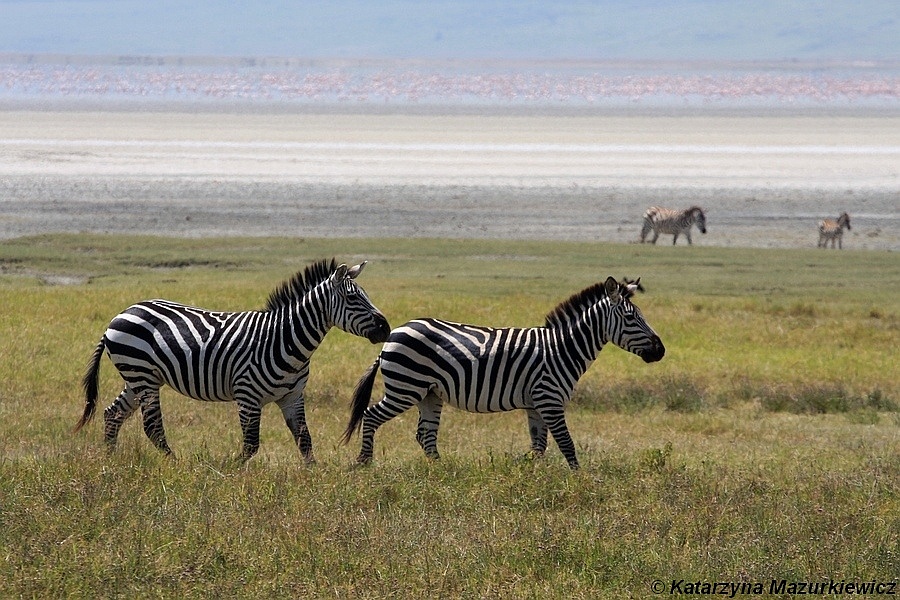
(676, 222)
(833, 229)
(427, 362)
(252, 358)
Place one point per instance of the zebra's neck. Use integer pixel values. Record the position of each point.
(304, 323)
(576, 342)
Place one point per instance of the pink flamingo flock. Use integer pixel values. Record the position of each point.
(410, 85)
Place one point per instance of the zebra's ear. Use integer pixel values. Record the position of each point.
(354, 272)
(633, 286)
(339, 273)
(612, 289)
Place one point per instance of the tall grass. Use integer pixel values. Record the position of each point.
(764, 446)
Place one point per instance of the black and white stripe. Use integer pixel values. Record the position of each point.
(429, 362)
(252, 358)
(674, 222)
(833, 230)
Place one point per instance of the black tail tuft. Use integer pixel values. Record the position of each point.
(91, 385)
(361, 396)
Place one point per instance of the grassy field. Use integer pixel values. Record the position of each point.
(764, 446)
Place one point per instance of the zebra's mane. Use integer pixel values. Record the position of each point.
(694, 208)
(579, 302)
(297, 286)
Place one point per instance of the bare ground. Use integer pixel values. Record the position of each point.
(763, 181)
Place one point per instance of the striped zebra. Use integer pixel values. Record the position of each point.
(833, 229)
(675, 222)
(252, 358)
(428, 362)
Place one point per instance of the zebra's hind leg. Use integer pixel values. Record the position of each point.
(116, 414)
(153, 423)
(645, 229)
(537, 429)
(376, 416)
(295, 417)
(429, 421)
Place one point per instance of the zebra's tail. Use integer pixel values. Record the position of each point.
(90, 383)
(361, 396)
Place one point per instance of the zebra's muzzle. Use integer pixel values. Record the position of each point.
(380, 331)
(655, 352)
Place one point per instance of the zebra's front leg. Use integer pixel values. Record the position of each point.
(249, 413)
(537, 429)
(294, 411)
(555, 420)
(429, 421)
(688, 236)
(116, 414)
(151, 411)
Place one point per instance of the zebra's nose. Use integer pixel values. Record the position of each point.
(380, 331)
(655, 353)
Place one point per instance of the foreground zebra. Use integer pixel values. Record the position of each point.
(831, 229)
(675, 222)
(428, 362)
(252, 358)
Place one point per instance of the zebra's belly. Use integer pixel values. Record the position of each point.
(197, 373)
(487, 404)
(206, 385)
(483, 395)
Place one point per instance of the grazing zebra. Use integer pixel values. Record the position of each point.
(831, 229)
(675, 222)
(428, 362)
(252, 358)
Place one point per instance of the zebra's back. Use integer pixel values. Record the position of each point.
(478, 369)
(663, 220)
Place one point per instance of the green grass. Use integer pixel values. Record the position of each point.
(764, 446)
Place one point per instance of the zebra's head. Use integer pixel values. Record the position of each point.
(699, 218)
(625, 325)
(844, 221)
(352, 310)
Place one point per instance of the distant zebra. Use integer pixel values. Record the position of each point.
(428, 362)
(252, 358)
(831, 229)
(675, 222)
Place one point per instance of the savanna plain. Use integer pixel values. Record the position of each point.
(764, 447)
